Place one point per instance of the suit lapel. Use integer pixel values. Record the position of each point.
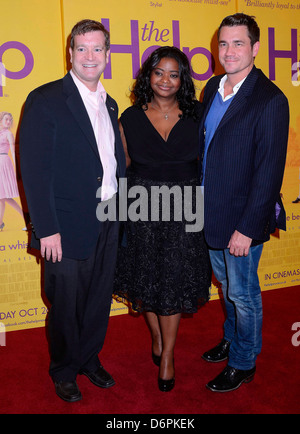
(240, 99)
(78, 110)
(112, 113)
(236, 105)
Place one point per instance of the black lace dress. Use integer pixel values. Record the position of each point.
(161, 267)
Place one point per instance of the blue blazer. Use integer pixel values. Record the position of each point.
(61, 168)
(245, 162)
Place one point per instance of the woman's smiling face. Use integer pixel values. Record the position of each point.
(165, 78)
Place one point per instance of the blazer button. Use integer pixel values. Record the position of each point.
(99, 179)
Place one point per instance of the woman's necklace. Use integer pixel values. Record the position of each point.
(165, 114)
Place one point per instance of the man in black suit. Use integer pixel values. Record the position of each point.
(70, 146)
(244, 142)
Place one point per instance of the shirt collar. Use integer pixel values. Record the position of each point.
(84, 90)
(235, 88)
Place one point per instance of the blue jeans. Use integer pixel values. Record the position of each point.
(242, 297)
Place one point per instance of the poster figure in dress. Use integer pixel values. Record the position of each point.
(8, 182)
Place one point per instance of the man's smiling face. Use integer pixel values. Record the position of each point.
(89, 58)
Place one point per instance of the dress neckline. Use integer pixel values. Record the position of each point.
(162, 138)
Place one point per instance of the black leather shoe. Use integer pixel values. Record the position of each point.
(231, 379)
(166, 385)
(218, 353)
(296, 200)
(156, 359)
(100, 378)
(68, 391)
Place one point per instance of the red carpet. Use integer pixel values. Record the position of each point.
(26, 388)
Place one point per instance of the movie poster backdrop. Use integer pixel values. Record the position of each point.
(33, 51)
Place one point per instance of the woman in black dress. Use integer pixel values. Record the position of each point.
(162, 269)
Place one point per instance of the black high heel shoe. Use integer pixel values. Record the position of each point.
(166, 385)
(156, 359)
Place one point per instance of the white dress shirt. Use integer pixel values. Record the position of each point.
(234, 90)
(95, 104)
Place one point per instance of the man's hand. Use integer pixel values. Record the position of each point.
(51, 248)
(239, 244)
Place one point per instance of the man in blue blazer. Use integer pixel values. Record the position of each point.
(244, 142)
(70, 146)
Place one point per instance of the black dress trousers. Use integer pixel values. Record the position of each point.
(80, 293)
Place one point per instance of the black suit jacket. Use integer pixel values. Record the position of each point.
(61, 168)
(245, 162)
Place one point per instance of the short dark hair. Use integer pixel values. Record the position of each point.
(242, 20)
(86, 26)
(142, 92)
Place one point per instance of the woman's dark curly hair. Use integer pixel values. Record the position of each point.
(142, 92)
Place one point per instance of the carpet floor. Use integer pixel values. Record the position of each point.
(26, 388)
